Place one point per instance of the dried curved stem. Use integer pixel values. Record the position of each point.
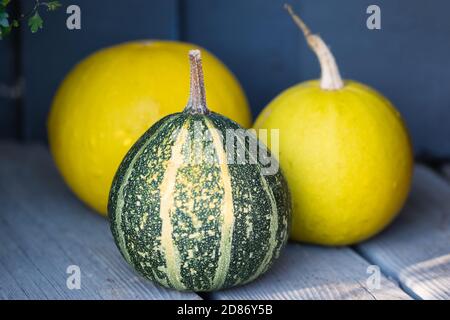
(331, 78)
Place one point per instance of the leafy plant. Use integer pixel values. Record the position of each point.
(33, 18)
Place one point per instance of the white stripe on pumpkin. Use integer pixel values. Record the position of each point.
(120, 196)
(167, 191)
(227, 211)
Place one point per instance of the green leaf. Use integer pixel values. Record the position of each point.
(5, 28)
(4, 22)
(5, 2)
(35, 22)
(15, 23)
(4, 31)
(53, 5)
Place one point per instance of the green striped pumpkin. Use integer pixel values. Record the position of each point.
(192, 220)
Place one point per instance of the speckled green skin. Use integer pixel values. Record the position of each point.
(204, 250)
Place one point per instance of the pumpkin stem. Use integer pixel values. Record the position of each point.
(197, 97)
(331, 78)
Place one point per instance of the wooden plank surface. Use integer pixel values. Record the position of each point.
(415, 249)
(312, 272)
(44, 229)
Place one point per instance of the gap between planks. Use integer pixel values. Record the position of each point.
(415, 249)
(43, 236)
(44, 229)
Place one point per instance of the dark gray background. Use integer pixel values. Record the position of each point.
(408, 60)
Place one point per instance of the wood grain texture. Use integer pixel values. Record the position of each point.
(415, 249)
(312, 272)
(44, 229)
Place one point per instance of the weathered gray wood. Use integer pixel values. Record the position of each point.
(312, 272)
(44, 229)
(415, 249)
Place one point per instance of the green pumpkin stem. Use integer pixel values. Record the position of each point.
(197, 97)
(331, 78)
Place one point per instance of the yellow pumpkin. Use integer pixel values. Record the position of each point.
(112, 97)
(345, 152)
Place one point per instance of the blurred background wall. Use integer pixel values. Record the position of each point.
(408, 60)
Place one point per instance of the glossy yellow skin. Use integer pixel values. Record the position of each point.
(112, 97)
(347, 157)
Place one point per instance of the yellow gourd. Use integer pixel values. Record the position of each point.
(345, 152)
(112, 97)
